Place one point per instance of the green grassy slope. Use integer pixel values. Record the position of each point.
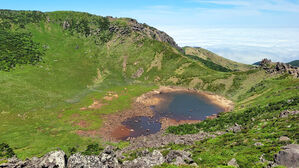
(294, 63)
(210, 56)
(40, 103)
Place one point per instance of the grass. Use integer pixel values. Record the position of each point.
(260, 121)
(39, 104)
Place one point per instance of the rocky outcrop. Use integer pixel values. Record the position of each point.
(279, 68)
(143, 29)
(55, 159)
(109, 158)
(161, 139)
(289, 156)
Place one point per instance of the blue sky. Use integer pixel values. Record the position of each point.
(242, 30)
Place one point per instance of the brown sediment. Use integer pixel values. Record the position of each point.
(166, 122)
(120, 132)
(113, 122)
(113, 130)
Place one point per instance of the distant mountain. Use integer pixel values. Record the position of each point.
(257, 63)
(212, 57)
(294, 63)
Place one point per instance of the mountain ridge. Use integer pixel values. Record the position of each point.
(105, 63)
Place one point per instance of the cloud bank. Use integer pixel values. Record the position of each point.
(247, 45)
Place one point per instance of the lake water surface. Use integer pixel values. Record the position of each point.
(178, 106)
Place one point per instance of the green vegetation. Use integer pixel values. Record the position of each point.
(17, 49)
(212, 57)
(93, 149)
(210, 64)
(6, 151)
(56, 64)
(294, 63)
(260, 121)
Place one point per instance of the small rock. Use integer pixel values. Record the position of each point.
(284, 138)
(233, 162)
(258, 144)
(178, 157)
(236, 128)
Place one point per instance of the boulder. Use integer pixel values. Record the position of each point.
(80, 161)
(179, 157)
(55, 159)
(289, 156)
(153, 159)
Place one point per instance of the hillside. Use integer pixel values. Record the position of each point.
(61, 72)
(210, 56)
(294, 63)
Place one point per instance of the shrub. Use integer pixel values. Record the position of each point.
(6, 151)
(18, 48)
(93, 149)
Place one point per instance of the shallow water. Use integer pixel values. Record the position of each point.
(179, 106)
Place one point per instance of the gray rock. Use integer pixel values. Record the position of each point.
(178, 157)
(286, 113)
(236, 128)
(284, 138)
(80, 161)
(233, 162)
(138, 73)
(153, 159)
(55, 159)
(279, 68)
(289, 156)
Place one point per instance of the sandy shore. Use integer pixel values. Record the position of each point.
(113, 130)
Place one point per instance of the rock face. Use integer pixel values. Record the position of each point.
(289, 156)
(143, 29)
(279, 68)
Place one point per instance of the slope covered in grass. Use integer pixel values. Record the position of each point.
(210, 56)
(294, 63)
(86, 57)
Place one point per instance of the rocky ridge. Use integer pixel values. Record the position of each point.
(279, 68)
(143, 29)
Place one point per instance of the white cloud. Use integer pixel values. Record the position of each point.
(245, 45)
